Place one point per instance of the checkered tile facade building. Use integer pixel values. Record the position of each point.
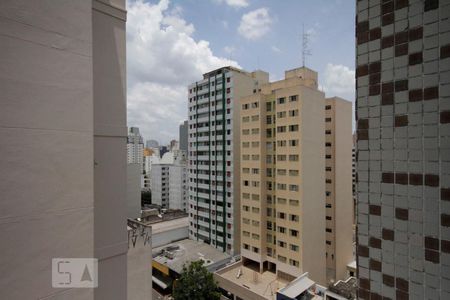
(403, 148)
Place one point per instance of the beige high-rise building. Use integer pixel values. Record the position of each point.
(296, 180)
(63, 145)
(338, 187)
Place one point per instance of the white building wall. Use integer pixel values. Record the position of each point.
(178, 187)
(160, 185)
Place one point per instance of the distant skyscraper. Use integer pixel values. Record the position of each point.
(151, 144)
(183, 136)
(214, 150)
(135, 148)
(174, 145)
(403, 149)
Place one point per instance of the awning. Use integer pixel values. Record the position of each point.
(159, 282)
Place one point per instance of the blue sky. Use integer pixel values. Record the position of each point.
(171, 43)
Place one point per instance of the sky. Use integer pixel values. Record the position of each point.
(171, 43)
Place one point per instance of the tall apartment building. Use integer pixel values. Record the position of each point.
(338, 187)
(159, 178)
(169, 181)
(62, 139)
(214, 122)
(296, 179)
(135, 147)
(403, 149)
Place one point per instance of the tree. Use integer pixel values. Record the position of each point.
(195, 282)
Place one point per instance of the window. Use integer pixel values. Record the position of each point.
(294, 218)
(293, 113)
(245, 144)
(245, 119)
(255, 197)
(327, 131)
(328, 218)
(294, 247)
(294, 263)
(245, 106)
(245, 207)
(281, 171)
(293, 202)
(281, 143)
(293, 157)
(327, 107)
(255, 118)
(328, 242)
(293, 143)
(293, 98)
(327, 119)
(293, 128)
(281, 229)
(268, 107)
(281, 100)
(293, 172)
(282, 244)
(281, 186)
(293, 187)
(245, 131)
(293, 232)
(327, 144)
(282, 258)
(255, 171)
(255, 130)
(281, 157)
(328, 230)
(281, 215)
(281, 129)
(246, 247)
(281, 114)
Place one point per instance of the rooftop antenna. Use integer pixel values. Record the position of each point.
(305, 45)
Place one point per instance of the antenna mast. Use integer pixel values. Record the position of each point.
(305, 45)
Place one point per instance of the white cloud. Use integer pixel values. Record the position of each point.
(339, 80)
(235, 3)
(255, 24)
(229, 49)
(162, 59)
(276, 49)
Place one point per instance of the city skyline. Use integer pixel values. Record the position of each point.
(172, 43)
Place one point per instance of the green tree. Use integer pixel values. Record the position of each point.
(195, 282)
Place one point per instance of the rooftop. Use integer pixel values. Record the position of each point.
(264, 284)
(175, 255)
(346, 289)
(300, 285)
(169, 225)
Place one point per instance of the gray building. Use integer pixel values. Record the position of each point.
(135, 148)
(169, 181)
(403, 149)
(151, 144)
(213, 152)
(63, 139)
(183, 138)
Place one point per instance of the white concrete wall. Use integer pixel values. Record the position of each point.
(110, 137)
(46, 143)
(169, 236)
(133, 191)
